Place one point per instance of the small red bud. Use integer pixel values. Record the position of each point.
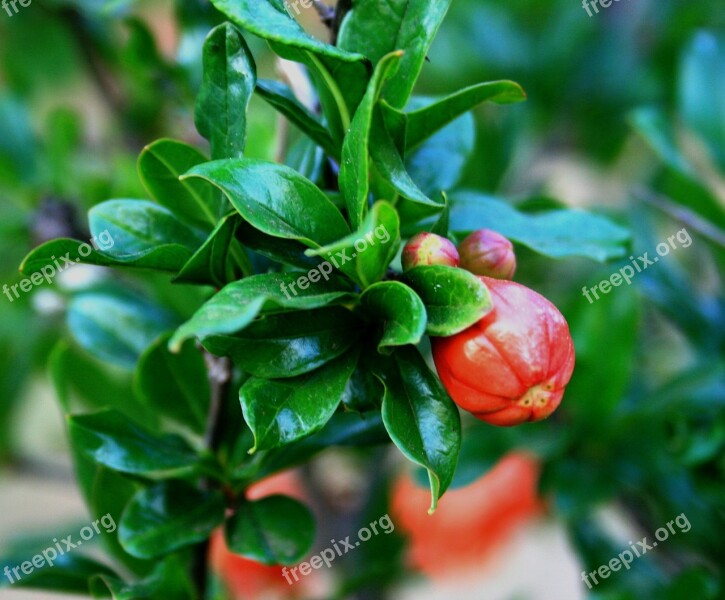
(488, 253)
(425, 249)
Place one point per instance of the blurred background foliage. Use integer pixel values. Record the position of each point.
(626, 114)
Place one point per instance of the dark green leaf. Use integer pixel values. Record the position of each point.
(289, 344)
(275, 530)
(556, 233)
(270, 197)
(421, 419)
(210, 263)
(116, 328)
(138, 227)
(285, 410)
(161, 164)
(174, 385)
(377, 27)
(355, 167)
(400, 310)
(417, 126)
(110, 439)
(454, 299)
(282, 98)
(168, 516)
(366, 254)
(230, 76)
(238, 304)
(170, 579)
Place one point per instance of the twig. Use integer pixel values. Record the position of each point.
(682, 214)
(220, 373)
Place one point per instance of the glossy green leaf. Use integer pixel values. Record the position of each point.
(210, 264)
(283, 99)
(138, 227)
(282, 411)
(288, 252)
(355, 166)
(275, 530)
(343, 429)
(389, 163)
(114, 327)
(289, 344)
(174, 385)
(376, 28)
(454, 299)
(168, 516)
(555, 233)
(270, 197)
(418, 125)
(112, 440)
(161, 164)
(421, 419)
(230, 77)
(365, 255)
(237, 305)
(164, 257)
(399, 309)
(339, 76)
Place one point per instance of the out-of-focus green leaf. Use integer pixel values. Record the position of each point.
(556, 233)
(110, 439)
(275, 530)
(168, 516)
(170, 579)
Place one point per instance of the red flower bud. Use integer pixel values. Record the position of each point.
(425, 249)
(513, 365)
(488, 253)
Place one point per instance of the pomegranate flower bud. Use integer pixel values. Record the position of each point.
(425, 249)
(488, 253)
(513, 365)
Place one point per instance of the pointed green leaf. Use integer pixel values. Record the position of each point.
(282, 411)
(230, 77)
(275, 530)
(377, 27)
(454, 299)
(161, 164)
(289, 344)
(112, 440)
(271, 197)
(355, 167)
(399, 309)
(168, 516)
(421, 419)
(239, 303)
